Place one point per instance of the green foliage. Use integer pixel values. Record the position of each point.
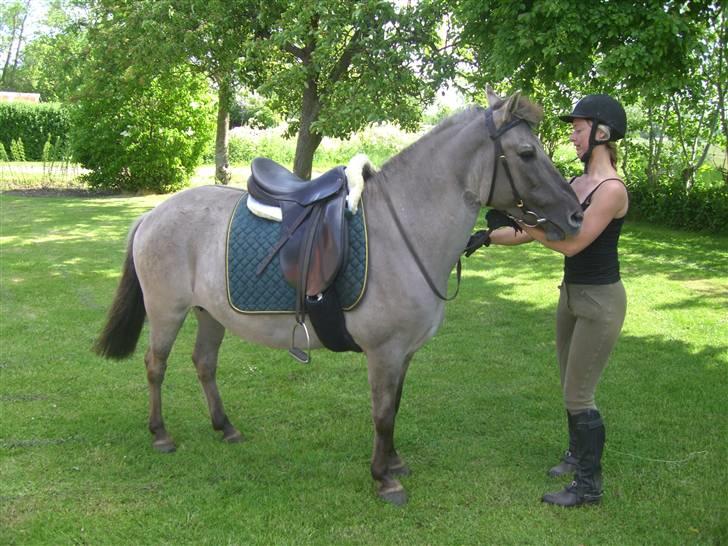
(33, 124)
(52, 62)
(142, 137)
(252, 111)
(13, 33)
(209, 38)
(644, 47)
(362, 69)
(245, 146)
(55, 150)
(3, 153)
(379, 143)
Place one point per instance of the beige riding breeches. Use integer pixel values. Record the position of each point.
(589, 319)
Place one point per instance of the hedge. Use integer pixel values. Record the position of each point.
(702, 208)
(34, 125)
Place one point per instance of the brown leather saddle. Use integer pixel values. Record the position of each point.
(313, 241)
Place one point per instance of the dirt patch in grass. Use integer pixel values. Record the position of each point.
(60, 192)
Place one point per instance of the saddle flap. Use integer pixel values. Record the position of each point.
(328, 251)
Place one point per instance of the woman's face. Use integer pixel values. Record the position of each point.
(580, 135)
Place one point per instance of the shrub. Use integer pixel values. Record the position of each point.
(33, 124)
(3, 153)
(55, 151)
(703, 207)
(17, 149)
(143, 137)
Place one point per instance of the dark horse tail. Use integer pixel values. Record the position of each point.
(126, 315)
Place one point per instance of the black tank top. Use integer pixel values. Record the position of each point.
(599, 262)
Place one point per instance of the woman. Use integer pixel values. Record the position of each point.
(592, 301)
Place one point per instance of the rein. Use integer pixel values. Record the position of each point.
(499, 157)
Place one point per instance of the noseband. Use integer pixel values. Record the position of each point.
(499, 157)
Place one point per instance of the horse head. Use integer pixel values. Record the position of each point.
(524, 182)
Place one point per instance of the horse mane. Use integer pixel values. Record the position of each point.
(456, 119)
(524, 109)
(465, 114)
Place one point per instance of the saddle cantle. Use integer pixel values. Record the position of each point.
(272, 183)
(313, 241)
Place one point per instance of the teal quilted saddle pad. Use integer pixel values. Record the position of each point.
(249, 240)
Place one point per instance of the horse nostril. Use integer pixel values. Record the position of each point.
(577, 218)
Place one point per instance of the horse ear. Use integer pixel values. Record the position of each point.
(512, 102)
(493, 100)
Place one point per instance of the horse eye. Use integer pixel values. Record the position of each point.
(526, 151)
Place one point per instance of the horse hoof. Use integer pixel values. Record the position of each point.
(233, 438)
(164, 446)
(395, 495)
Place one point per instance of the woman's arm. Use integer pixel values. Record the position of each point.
(607, 202)
(509, 236)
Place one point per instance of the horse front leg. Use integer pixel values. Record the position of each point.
(207, 346)
(397, 466)
(386, 379)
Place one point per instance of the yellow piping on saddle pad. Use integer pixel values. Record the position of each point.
(275, 312)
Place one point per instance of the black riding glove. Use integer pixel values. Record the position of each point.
(498, 219)
(477, 239)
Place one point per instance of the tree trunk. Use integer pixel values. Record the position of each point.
(704, 154)
(655, 144)
(222, 167)
(307, 142)
(10, 51)
(20, 36)
(625, 149)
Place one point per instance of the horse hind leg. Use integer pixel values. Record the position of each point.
(209, 338)
(163, 329)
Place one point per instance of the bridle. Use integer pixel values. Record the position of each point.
(499, 157)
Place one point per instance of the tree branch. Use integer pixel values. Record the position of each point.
(342, 65)
(297, 52)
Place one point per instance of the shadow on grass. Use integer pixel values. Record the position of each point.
(652, 250)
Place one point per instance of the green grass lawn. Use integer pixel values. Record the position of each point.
(480, 423)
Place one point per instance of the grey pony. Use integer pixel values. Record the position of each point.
(176, 263)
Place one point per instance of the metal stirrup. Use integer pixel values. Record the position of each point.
(304, 357)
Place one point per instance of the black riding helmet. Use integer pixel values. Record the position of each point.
(599, 109)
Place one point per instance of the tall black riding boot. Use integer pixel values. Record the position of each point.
(587, 485)
(568, 461)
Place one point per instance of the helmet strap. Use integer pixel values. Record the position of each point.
(592, 142)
